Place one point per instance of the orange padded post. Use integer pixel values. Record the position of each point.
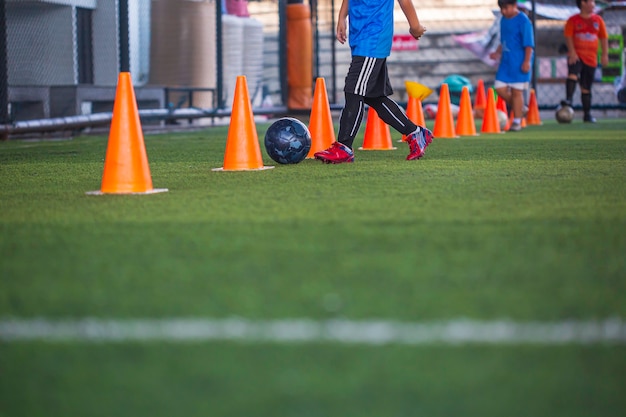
(299, 56)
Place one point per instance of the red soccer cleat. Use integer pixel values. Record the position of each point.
(338, 153)
(418, 141)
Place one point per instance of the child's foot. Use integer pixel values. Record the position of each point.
(418, 141)
(515, 127)
(338, 153)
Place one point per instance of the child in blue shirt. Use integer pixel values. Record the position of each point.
(371, 33)
(515, 53)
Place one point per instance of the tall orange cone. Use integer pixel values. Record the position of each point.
(126, 169)
(377, 134)
(491, 123)
(415, 113)
(465, 125)
(321, 120)
(480, 100)
(444, 122)
(243, 152)
(533, 118)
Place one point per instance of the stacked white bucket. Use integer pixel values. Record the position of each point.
(253, 59)
(242, 52)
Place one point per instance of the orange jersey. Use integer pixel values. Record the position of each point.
(586, 33)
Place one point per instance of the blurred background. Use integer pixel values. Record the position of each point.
(61, 58)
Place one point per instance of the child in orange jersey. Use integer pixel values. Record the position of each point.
(583, 32)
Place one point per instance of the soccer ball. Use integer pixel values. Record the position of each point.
(503, 119)
(564, 114)
(287, 141)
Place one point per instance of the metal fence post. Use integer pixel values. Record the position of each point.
(4, 70)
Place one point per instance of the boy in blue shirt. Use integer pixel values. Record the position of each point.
(515, 53)
(367, 82)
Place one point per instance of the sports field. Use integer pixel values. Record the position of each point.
(487, 279)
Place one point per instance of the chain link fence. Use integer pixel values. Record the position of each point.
(63, 57)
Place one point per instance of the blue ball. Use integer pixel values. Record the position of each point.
(287, 141)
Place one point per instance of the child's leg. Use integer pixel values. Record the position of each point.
(392, 114)
(573, 72)
(366, 76)
(505, 93)
(586, 81)
(350, 120)
(517, 103)
(570, 87)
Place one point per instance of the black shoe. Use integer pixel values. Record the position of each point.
(566, 103)
(589, 119)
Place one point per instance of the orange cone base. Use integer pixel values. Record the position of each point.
(153, 191)
(263, 168)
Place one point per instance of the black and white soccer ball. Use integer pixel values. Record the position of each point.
(564, 113)
(287, 141)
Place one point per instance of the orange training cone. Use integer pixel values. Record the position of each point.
(465, 125)
(480, 101)
(377, 135)
(415, 113)
(126, 169)
(491, 123)
(533, 118)
(501, 106)
(243, 152)
(510, 120)
(444, 122)
(321, 120)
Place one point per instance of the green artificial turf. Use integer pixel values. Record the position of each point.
(529, 226)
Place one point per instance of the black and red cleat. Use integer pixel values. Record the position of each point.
(338, 153)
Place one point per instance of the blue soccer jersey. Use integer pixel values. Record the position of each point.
(516, 34)
(371, 27)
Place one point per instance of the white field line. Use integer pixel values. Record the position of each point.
(379, 332)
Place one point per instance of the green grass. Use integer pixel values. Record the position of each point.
(529, 226)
